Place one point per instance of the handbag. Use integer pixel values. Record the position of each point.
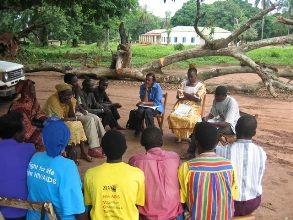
(131, 123)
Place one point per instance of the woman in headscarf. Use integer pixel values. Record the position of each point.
(51, 177)
(33, 116)
(62, 105)
(187, 110)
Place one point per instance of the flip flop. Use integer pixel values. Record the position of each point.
(86, 158)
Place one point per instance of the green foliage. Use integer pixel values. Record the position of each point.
(140, 21)
(229, 15)
(145, 54)
(178, 47)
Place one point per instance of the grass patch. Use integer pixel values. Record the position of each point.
(141, 54)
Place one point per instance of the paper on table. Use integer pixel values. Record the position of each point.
(183, 110)
(146, 106)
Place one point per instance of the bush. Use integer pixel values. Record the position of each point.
(178, 47)
(275, 54)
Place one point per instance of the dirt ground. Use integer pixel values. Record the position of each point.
(275, 133)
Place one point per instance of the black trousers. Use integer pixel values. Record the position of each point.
(146, 114)
(110, 116)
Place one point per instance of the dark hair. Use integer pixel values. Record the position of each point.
(114, 144)
(221, 91)
(86, 82)
(206, 134)
(10, 124)
(246, 126)
(68, 77)
(191, 70)
(151, 137)
(103, 79)
(152, 75)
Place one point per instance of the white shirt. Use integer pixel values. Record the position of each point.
(229, 109)
(249, 160)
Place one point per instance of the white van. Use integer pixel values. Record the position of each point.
(10, 74)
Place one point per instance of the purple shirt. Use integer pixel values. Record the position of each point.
(14, 162)
(161, 183)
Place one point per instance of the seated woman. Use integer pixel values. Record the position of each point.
(62, 105)
(15, 157)
(187, 110)
(33, 116)
(150, 103)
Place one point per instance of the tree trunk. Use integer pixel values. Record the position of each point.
(44, 36)
(74, 43)
(122, 58)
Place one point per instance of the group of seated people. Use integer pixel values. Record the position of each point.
(217, 182)
(87, 111)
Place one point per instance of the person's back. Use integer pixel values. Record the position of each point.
(114, 189)
(53, 178)
(249, 160)
(15, 157)
(207, 182)
(161, 182)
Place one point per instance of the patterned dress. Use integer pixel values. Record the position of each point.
(182, 126)
(30, 109)
(208, 185)
(54, 107)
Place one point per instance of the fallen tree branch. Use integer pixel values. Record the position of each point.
(247, 25)
(283, 20)
(46, 67)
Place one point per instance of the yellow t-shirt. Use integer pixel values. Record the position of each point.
(113, 190)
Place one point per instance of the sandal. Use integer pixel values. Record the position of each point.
(86, 158)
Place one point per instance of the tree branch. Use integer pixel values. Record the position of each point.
(267, 42)
(26, 31)
(197, 18)
(265, 76)
(283, 20)
(248, 24)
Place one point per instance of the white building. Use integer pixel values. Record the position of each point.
(182, 35)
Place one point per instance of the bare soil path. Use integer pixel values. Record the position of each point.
(275, 133)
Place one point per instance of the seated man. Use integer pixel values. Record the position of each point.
(224, 115)
(15, 157)
(249, 160)
(208, 182)
(160, 168)
(114, 189)
(51, 177)
(63, 105)
(89, 103)
(92, 124)
(150, 103)
(103, 99)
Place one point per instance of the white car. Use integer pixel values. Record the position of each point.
(10, 74)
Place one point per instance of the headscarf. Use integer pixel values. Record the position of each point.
(23, 88)
(62, 87)
(55, 136)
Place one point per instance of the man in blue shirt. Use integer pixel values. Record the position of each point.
(151, 102)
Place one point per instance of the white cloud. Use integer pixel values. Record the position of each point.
(158, 7)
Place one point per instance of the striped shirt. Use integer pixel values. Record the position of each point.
(208, 186)
(249, 160)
